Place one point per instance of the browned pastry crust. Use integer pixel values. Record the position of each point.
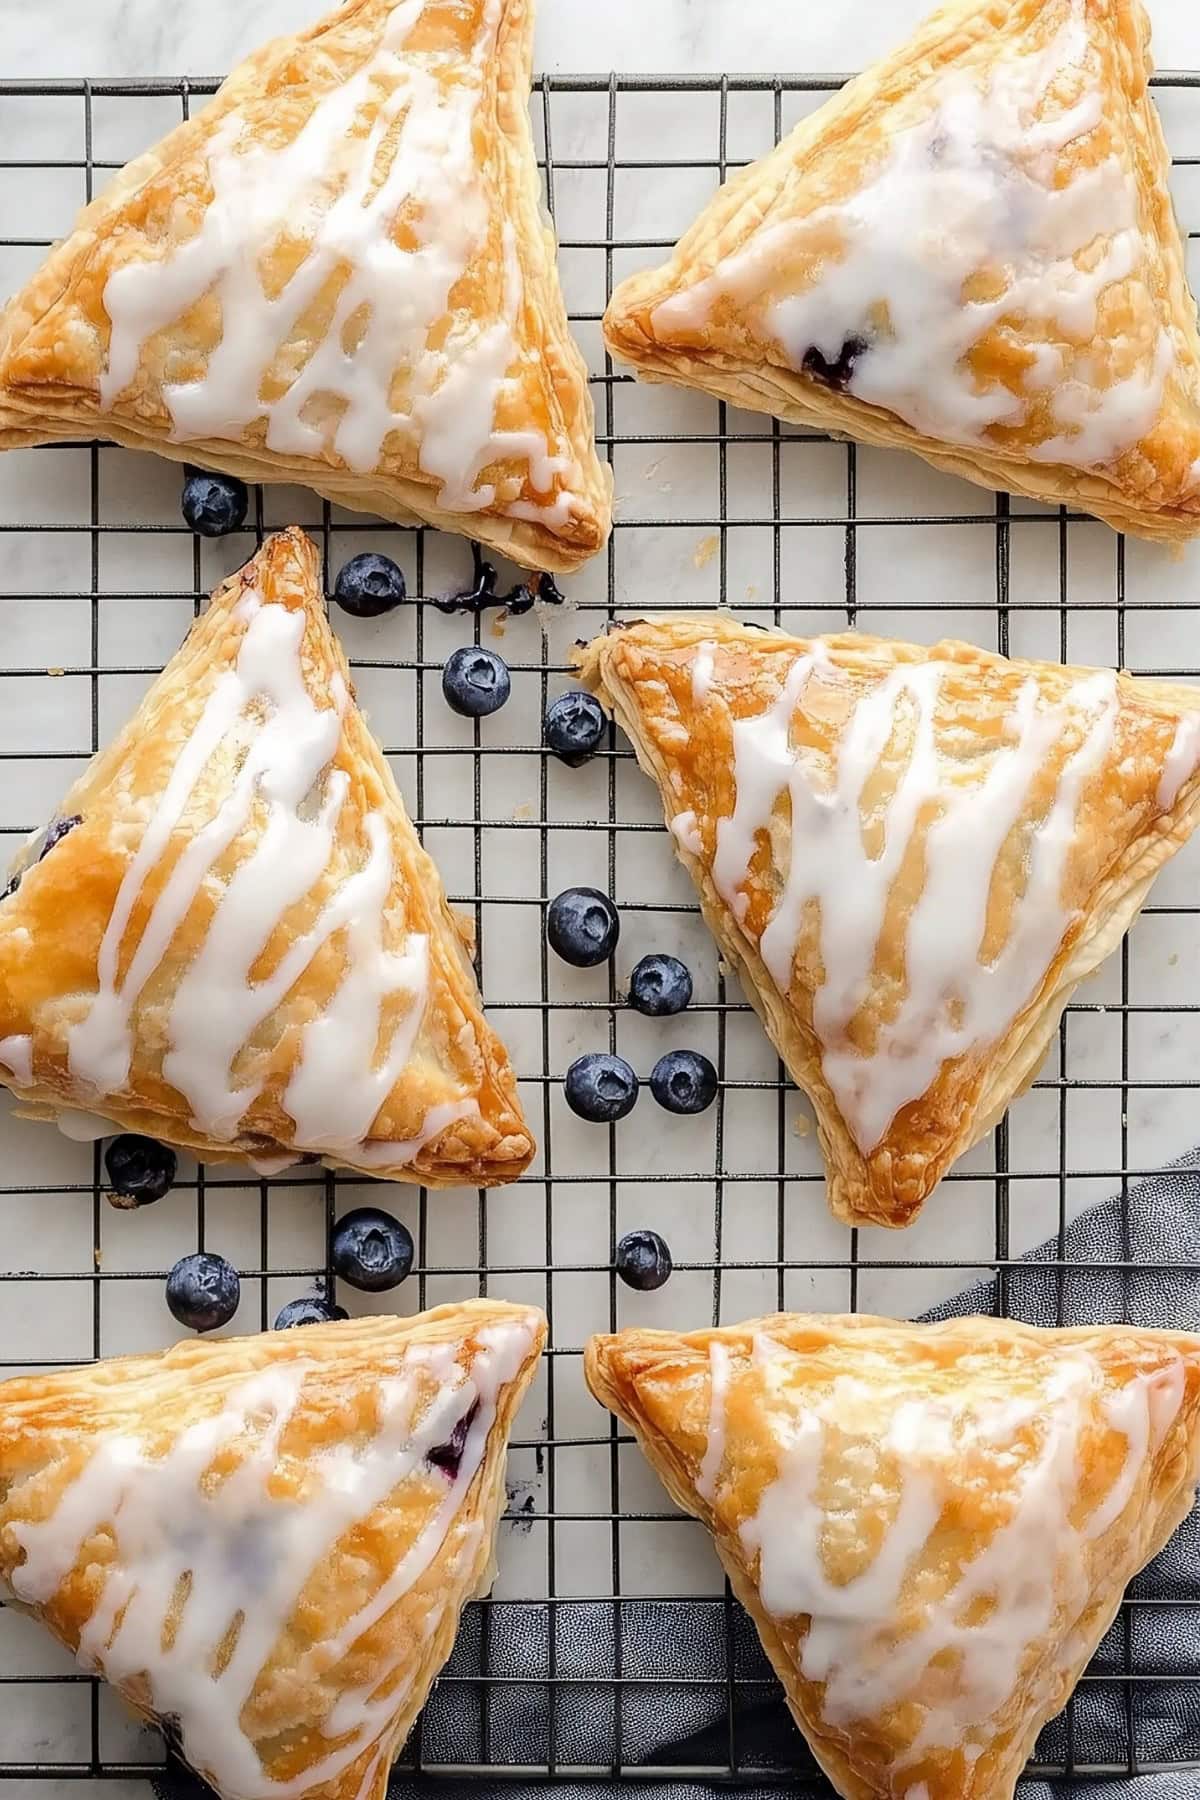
(793, 208)
(53, 926)
(1130, 817)
(55, 336)
(975, 1498)
(101, 1496)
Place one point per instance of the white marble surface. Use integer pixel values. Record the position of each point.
(140, 37)
(924, 580)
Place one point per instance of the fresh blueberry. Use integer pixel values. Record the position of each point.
(575, 725)
(369, 585)
(601, 1087)
(475, 681)
(448, 1456)
(643, 1261)
(214, 505)
(660, 986)
(309, 1309)
(371, 1250)
(139, 1168)
(203, 1291)
(683, 1081)
(582, 926)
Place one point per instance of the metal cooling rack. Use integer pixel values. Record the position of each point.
(610, 1615)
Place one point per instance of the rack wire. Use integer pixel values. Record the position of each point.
(609, 1648)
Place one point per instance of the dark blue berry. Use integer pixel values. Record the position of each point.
(54, 833)
(601, 1087)
(139, 1169)
(838, 373)
(475, 681)
(643, 1261)
(203, 1291)
(575, 725)
(683, 1081)
(660, 986)
(214, 505)
(448, 1456)
(582, 926)
(309, 1309)
(371, 1250)
(369, 585)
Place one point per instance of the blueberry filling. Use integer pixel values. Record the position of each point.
(835, 374)
(56, 831)
(483, 590)
(448, 1456)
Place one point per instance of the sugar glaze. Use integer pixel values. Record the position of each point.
(249, 1553)
(340, 1079)
(971, 188)
(953, 1001)
(1034, 1563)
(418, 158)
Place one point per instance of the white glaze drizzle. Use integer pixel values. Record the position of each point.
(16, 1053)
(340, 1079)
(83, 1127)
(1032, 1564)
(343, 189)
(971, 188)
(250, 1554)
(397, 1153)
(1182, 761)
(685, 829)
(702, 671)
(714, 1449)
(953, 1002)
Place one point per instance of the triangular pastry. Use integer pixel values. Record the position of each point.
(911, 856)
(932, 1526)
(231, 938)
(337, 273)
(970, 252)
(265, 1543)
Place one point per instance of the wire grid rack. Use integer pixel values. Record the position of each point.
(609, 1647)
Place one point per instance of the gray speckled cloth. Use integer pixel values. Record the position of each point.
(683, 1720)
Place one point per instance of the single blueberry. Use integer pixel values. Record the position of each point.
(582, 926)
(683, 1081)
(309, 1309)
(203, 1291)
(575, 725)
(643, 1260)
(838, 373)
(369, 585)
(601, 1087)
(140, 1170)
(371, 1250)
(448, 1456)
(475, 681)
(660, 986)
(214, 505)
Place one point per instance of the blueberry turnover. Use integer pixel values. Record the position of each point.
(337, 273)
(242, 948)
(969, 253)
(911, 856)
(931, 1526)
(265, 1544)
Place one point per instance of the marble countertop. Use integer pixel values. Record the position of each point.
(156, 37)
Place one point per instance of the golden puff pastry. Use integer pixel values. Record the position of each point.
(970, 252)
(231, 938)
(911, 856)
(932, 1526)
(337, 273)
(265, 1543)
